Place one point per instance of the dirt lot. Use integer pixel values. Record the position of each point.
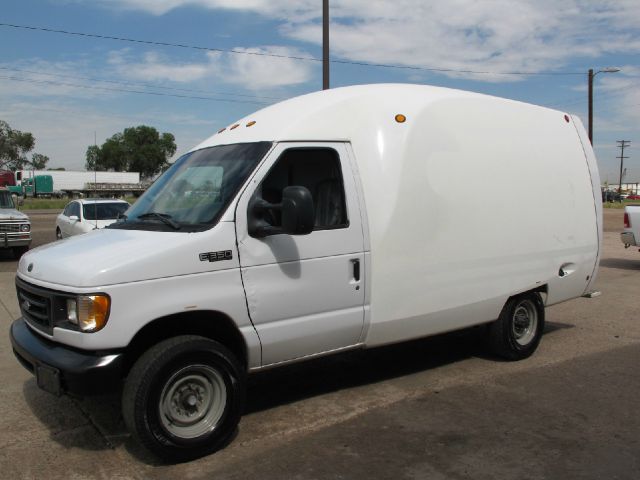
(436, 408)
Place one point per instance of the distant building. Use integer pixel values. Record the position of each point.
(630, 187)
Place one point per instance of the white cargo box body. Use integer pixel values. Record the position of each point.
(442, 258)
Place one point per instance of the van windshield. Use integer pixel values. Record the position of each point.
(196, 190)
(5, 200)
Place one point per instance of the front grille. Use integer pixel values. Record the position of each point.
(35, 306)
(10, 227)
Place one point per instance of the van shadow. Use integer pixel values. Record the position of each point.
(6, 255)
(91, 424)
(300, 381)
(621, 263)
(329, 374)
(96, 424)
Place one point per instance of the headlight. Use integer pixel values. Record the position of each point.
(89, 312)
(25, 227)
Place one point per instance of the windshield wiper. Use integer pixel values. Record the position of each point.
(163, 217)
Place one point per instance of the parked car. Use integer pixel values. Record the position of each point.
(633, 196)
(630, 235)
(84, 215)
(15, 227)
(611, 196)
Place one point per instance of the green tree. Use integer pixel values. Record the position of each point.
(39, 161)
(14, 146)
(93, 158)
(137, 149)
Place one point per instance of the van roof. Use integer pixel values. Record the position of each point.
(337, 114)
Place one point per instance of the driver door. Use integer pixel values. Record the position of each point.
(305, 293)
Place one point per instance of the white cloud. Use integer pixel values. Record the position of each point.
(274, 8)
(155, 67)
(256, 72)
(496, 36)
(37, 77)
(251, 69)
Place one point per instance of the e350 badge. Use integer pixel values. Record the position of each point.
(216, 256)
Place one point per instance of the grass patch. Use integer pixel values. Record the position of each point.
(620, 204)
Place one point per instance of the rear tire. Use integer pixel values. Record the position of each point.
(517, 332)
(58, 234)
(183, 397)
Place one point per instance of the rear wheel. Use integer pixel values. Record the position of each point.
(58, 234)
(183, 398)
(517, 332)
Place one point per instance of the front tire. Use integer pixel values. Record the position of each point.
(58, 234)
(183, 397)
(518, 330)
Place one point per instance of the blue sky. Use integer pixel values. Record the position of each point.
(64, 88)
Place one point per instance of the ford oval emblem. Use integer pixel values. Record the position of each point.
(30, 267)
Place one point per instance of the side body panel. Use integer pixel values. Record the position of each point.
(478, 199)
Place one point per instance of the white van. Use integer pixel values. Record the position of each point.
(343, 219)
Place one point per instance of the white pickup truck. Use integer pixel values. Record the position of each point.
(630, 236)
(15, 227)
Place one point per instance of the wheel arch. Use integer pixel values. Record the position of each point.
(542, 290)
(214, 325)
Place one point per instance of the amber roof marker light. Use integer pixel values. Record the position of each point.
(251, 123)
(400, 118)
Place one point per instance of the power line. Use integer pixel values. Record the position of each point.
(136, 84)
(109, 89)
(274, 55)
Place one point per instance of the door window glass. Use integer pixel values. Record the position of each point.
(317, 169)
(75, 209)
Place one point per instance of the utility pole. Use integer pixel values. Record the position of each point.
(590, 103)
(622, 144)
(325, 44)
(591, 75)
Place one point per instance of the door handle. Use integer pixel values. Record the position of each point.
(356, 269)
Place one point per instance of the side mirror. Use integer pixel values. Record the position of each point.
(298, 214)
(296, 210)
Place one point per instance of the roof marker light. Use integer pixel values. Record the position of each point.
(222, 130)
(251, 123)
(566, 118)
(400, 118)
(234, 126)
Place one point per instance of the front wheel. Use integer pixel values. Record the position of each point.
(58, 234)
(517, 332)
(183, 398)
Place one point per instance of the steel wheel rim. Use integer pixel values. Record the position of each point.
(524, 323)
(193, 401)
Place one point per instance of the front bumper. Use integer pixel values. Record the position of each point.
(61, 369)
(628, 239)
(8, 240)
